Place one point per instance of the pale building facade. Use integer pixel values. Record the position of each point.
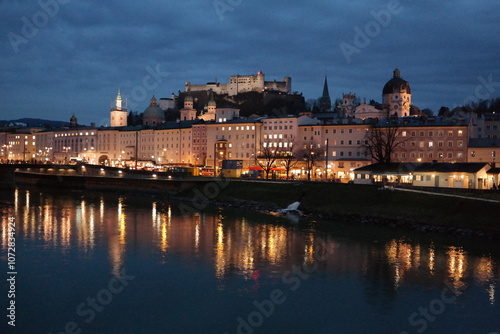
(173, 143)
(44, 146)
(75, 143)
(281, 132)
(4, 146)
(484, 150)
(341, 144)
(241, 138)
(348, 105)
(199, 144)
(168, 103)
(21, 145)
(364, 111)
(439, 140)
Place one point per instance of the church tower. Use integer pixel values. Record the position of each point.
(211, 109)
(325, 103)
(188, 113)
(396, 96)
(118, 115)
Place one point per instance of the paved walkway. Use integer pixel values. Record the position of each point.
(448, 195)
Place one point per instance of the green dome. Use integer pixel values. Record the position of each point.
(153, 111)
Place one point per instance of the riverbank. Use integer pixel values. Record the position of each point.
(348, 203)
(322, 201)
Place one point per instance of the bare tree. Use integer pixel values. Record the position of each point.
(288, 159)
(382, 139)
(311, 153)
(266, 158)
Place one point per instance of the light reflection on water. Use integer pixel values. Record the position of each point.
(60, 223)
(234, 245)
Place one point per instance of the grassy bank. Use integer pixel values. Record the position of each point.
(335, 200)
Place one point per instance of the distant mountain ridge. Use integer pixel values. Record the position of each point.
(34, 122)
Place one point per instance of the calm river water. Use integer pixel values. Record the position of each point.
(101, 263)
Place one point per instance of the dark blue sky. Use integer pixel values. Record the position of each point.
(61, 57)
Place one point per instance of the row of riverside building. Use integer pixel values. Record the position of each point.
(207, 138)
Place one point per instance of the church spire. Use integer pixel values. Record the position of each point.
(325, 103)
(326, 93)
(119, 101)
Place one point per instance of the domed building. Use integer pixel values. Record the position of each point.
(210, 114)
(153, 115)
(396, 96)
(188, 113)
(73, 122)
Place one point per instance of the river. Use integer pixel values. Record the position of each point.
(106, 263)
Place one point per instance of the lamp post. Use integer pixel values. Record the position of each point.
(326, 159)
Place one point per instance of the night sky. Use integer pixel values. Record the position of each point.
(73, 56)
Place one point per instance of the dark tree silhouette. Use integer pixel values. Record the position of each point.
(266, 158)
(382, 139)
(311, 153)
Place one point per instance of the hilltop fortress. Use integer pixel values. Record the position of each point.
(243, 83)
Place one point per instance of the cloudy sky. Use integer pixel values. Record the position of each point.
(60, 57)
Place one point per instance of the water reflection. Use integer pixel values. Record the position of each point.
(234, 245)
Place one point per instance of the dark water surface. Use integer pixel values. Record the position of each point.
(101, 263)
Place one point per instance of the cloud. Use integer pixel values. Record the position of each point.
(88, 50)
